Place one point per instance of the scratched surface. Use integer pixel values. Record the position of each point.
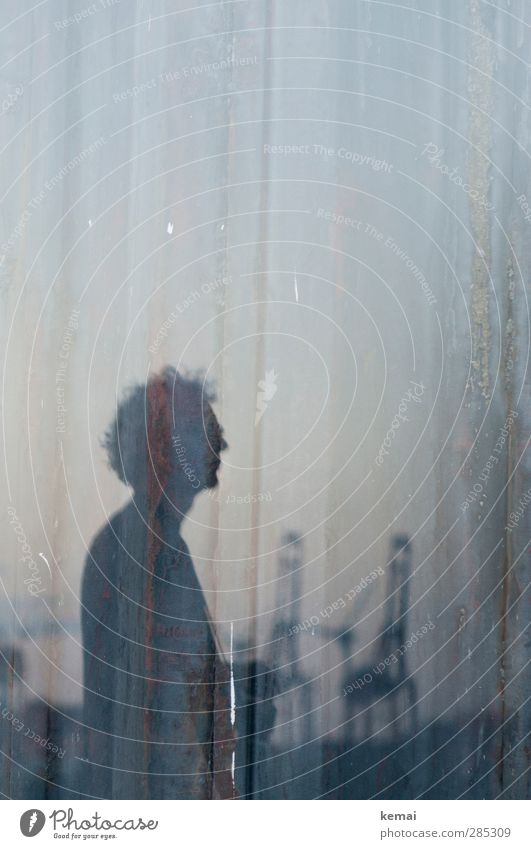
(320, 211)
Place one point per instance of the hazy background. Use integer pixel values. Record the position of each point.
(281, 189)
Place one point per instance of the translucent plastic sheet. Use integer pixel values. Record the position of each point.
(265, 399)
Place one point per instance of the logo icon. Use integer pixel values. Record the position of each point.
(268, 388)
(32, 822)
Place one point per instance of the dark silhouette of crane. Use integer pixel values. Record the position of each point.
(386, 682)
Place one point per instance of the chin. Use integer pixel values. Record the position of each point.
(212, 481)
(212, 476)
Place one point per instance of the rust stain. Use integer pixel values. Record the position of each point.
(159, 423)
(481, 59)
(509, 355)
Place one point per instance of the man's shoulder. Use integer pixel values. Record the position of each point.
(111, 538)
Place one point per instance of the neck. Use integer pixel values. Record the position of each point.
(172, 509)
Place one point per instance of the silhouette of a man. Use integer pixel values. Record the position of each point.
(156, 709)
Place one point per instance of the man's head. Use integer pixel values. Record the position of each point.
(166, 438)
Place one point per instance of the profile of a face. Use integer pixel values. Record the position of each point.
(166, 438)
(197, 442)
(215, 445)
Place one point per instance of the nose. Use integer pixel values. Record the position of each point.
(224, 444)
